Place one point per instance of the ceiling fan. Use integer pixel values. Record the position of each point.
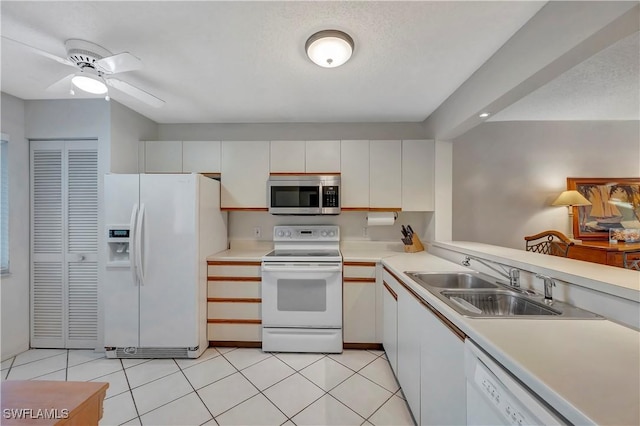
(95, 66)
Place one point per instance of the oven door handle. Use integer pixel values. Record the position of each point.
(304, 268)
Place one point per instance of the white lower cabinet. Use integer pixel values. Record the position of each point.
(410, 317)
(234, 301)
(390, 319)
(359, 297)
(426, 353)
(443, 385)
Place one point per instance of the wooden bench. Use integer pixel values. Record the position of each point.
(36, 402)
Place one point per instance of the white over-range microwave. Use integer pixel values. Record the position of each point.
(304, 194)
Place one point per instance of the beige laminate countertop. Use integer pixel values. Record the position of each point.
(240, 255)
(588, 370)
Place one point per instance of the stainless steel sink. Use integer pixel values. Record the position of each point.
(476, 295)
(498, 303)
(451, 280)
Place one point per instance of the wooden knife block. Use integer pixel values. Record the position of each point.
(415, 246)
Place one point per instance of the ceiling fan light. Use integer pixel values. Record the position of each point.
(90, 84)
(329, 48)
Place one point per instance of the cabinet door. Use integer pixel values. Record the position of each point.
(322, 156)
(287, 156)
(385, 183)
(390, 324)
(409, 332)
(163, 157)
(354, 166)
(201, 156)
(443, 385)
(418, 175)
(245, 170)
(359, 292)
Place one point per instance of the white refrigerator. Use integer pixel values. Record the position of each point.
(160, 229)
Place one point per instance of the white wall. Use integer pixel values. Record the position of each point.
(352, 225)
(127, 129)
(506, 174)
(14, 288)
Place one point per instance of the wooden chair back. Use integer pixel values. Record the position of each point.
(550, 242)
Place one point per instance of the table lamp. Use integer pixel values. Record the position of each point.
(570, 199)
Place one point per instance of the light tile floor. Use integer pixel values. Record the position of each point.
(230, 386)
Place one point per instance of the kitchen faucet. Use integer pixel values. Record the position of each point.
(549, 283)
(512, 274)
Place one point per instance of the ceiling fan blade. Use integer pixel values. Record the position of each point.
(139, 94)
(62, 85)
(40, 52)
(122, 62)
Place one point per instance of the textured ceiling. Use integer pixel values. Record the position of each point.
(237, 62)
(604, 87)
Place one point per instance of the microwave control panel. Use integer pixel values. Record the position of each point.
(330, 196)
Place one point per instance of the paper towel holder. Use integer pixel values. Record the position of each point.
(395, 216)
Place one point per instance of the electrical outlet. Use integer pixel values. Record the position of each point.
(257, 232)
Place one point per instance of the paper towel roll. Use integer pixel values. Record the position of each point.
(381, 218)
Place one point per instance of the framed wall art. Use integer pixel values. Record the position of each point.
(615, 203)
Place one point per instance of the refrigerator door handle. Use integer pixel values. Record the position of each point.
(139, 247)
(132, 244)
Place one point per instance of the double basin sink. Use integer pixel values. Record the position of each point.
(477, 295)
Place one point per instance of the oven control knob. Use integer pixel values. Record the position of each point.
(288, 233)
(332, 233)
(280, 233)
(323, 233)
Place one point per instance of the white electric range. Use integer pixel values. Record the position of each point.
(302, 290)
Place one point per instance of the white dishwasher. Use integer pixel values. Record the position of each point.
(495, 397)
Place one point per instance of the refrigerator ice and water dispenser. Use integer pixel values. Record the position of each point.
(118, 239)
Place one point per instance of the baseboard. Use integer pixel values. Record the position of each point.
(235, 344)
(372, 346)
(241, 344)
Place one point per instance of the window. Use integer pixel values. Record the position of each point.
(4, 207)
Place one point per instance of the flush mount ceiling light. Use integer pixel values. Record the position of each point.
(329, 48)
(89, 82)
(484, 114)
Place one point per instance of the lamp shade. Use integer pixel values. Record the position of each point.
(329, 48)
(571, 198)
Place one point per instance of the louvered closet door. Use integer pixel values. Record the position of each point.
(64, 232)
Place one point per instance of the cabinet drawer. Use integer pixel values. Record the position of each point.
(234, 310)
(234, 332)
(244, 269)
(356, 270)
(233, 289)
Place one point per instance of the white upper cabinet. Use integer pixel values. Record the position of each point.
(179, 157)
(287, 156)
(201, 156)
(245, 170)
(305, 156)
(163, 156)
(418, 180)
(354, 166)
(322, 156)
(385, 171)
